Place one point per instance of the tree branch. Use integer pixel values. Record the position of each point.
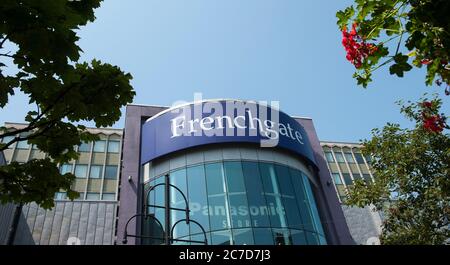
(33, 124)
(46, 126)
(3, 40)
(12, 56)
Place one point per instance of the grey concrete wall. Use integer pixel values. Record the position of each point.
(77, 222)
(6, 216)
(364, 224)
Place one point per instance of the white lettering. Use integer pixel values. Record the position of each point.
(215, 123)
(177, 125)
(237, 123)
(206, 121)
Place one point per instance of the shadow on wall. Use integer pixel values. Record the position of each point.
(23, 234)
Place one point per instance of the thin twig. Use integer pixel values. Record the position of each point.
(3, 41)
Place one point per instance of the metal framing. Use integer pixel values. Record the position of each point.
(167, 228)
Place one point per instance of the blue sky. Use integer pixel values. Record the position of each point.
(285, 50)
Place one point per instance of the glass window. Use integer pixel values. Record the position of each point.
(81, 171)
(367, 178)
(234, 177)
(263, 236)
(282, 237)
(329, 157)
(99, 146)
(356, 176)
(339, 157)
(268, 177)
(156, 197)
(359, 158)
(7, 139)
(60, 196)
(288, 197)
(217, 199)
(273, 196)
(214, 178)
(347, 179)
(92, 196)
(84, 147)
(239, 210)
(218, 212)
(341, 191)
(236, 195)
(284, 180)
(200, 237)
(113, 146)
(110, 172)
(312, 238)
(349, 157)
(151, 227)
(240, 203)
(298, 237)
(337, 178)
(221, 237)
(23, 145)
(302, 199)
(65, 168)
(322, 240)
(34, 147)
(312, 205)
(243, 237)
(178, 179)
(197, 196)
(255, 194)
(109, 196)
(368, 158)
(96, 172)
(80, 196)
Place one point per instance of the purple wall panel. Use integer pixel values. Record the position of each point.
(327, 200)
(129, 203)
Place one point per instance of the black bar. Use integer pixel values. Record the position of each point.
(167, 211)
(164, 207)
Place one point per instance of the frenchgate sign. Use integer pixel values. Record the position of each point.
(223, 121)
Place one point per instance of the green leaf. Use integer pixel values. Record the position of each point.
(66, 92)
(364, 79)
(344, 16)
(400, 66)
(412, 164)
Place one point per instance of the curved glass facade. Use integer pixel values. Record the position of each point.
(239, 203)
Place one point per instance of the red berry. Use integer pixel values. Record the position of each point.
(357, 49)
(425, 61)
(426, 104)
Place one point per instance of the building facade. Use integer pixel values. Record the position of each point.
(143, 180)
(90, 219)
(346, 164)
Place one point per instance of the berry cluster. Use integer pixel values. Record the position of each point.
(355, 46)
(432, 122)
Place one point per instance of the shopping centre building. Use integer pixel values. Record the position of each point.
(211, 172)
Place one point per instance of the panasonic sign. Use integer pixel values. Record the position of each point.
(208, 122)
